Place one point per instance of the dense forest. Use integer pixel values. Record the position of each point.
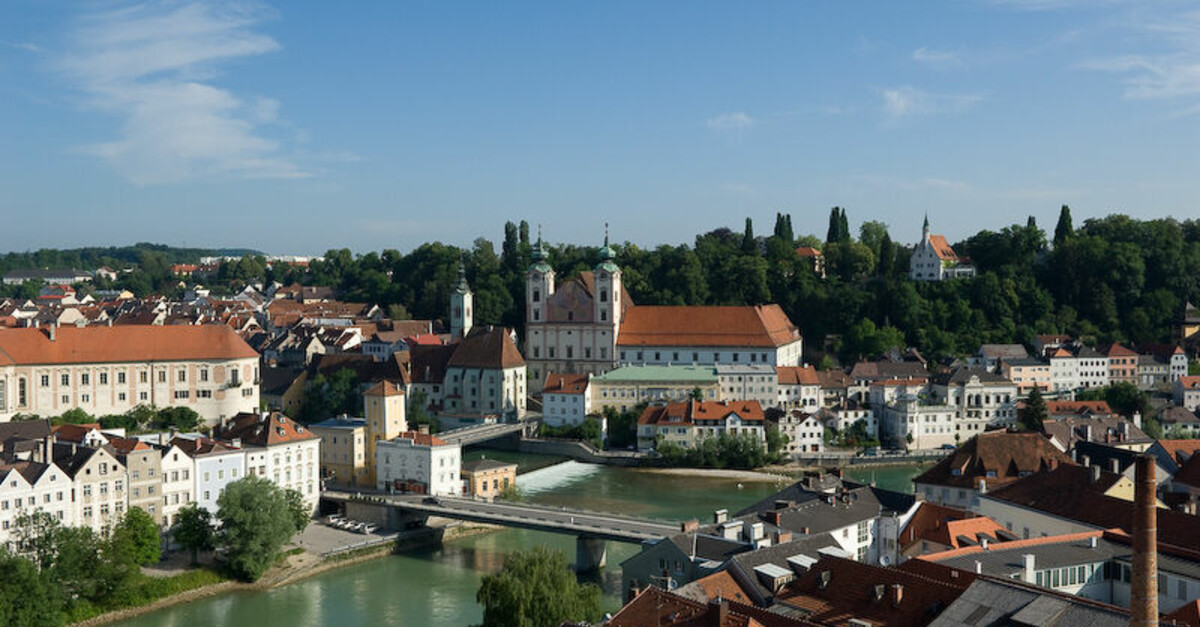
(1109, 279)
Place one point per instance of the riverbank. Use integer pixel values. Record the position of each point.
(719, 473)
(296, 568)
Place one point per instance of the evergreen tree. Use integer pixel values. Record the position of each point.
(843, 227)
(834, 233)
(1035, 411)
(1064, 231)
(749, 245)
(887, 257)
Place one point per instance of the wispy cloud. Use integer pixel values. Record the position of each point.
(154, 64)
(912, 184)
(1172, 72)
(730, 121)
(902, 102)
(938, 59)
(23, 45)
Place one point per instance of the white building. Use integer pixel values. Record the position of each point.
(746, 382)
(419, 462)
(590, 325)
(278, 449)
(566, 399)
(1186, 392)
(111, 370)
(805, 432)
(178, 486)
(1077, 368)
(99, 484)
(28, 486)
(982, 400)
(798, 387)
(842, 418)
(908, 423)
(934, 260)
(216, 465)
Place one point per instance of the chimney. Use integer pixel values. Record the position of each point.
(782, 537)
(1143, 605)
(1116, 465)
(423, 429)
(720, 516)
(52, 329)
(718, 612)
(1137, 419)
(983, 486)
(773, 518)
(978, 567)
(897, 594)
(1095, 474)
(1087, 432)
(1030, 563)
(983, 542)
(1086, 460)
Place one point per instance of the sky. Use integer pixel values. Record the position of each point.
(296, 127)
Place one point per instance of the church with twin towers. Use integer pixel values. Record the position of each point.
(589, 324)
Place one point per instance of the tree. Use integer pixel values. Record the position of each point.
(1064, 231)
(27, 598)
(140, 532)
(749, 244)
(255, 523)
(1035, 411)
(300, 511)
(193, 529)
(536, 589)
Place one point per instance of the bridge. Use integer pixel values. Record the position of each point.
(475, 434)
(592, 529)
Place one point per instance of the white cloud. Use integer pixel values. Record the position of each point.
(937, 59)
(1172, 72)
(901, 102)
(730, 122)
(23, 45)
(153, 64)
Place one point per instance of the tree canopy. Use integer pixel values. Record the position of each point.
(256, 521)
(536, 589)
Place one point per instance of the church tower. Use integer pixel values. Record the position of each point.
(383, 408)
(539, 285)
(461, 302)
(607, 301)
(925, 231)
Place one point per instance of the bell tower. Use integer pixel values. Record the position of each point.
(539, 285)
(461, 302)
(607, 301)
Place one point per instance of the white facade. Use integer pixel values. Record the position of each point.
(51, 492)
(486, 392)
(291, 465)
(748, 383)
(979, 403)
(434, 463)
(929, 426)
(213, 472)
(805, 432)
(570, 409)
(100, 493)
(178, 487)
(1087, 369)
(841, 419)
(798, 396)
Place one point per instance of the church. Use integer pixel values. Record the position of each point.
(934, 260)
(589, 324)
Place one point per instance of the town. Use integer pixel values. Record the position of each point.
(1059, 481)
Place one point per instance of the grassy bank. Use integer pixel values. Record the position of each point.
(147, 591)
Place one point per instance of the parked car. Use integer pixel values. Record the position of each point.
(947, 447)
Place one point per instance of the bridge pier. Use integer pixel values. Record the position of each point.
(590, 554)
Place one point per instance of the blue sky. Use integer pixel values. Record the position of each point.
(301, 126)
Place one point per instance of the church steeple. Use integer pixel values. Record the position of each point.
(925, 229)
(461, 302)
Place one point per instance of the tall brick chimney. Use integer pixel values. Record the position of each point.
(1143, 606)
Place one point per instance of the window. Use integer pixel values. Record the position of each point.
(203, 393)
(204, 374)
(162, 376)
(121, 396)
(143, 377)
(22, 393)
(121, 378)
(182, 377)
(45, 380)
(103, 378)
(181, 394)
(65, 379)
(85, 379)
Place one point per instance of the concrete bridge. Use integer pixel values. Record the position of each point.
(475, 434)
(591, 529)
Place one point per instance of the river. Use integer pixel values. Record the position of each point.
(436, 586)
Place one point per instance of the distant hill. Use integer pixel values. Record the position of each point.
(116, 257)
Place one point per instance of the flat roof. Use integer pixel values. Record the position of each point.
(654, 374)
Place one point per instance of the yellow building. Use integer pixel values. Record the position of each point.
(383, 405)
(487, 478)
(343, 450)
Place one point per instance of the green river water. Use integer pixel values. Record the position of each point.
(436, 586)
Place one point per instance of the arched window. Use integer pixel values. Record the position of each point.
(537, 295)
(604, 296)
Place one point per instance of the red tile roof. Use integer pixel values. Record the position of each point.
(761, 326)
(125, 446)
(1005, 456)
(486, 348)
(851, 588)
(798, 375)
(1017, 544)
(421, 439)
(263, 430)
(1190, 382)
(1179, 450)
(1189, 474)
(722, 585)
(691, 412)
(1186, 614)
(1117, 350)
(74, 433)
(808, 251)
(1054, 408)
(119, 344)
(565, 383)
(384, 388)
(942, 248)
